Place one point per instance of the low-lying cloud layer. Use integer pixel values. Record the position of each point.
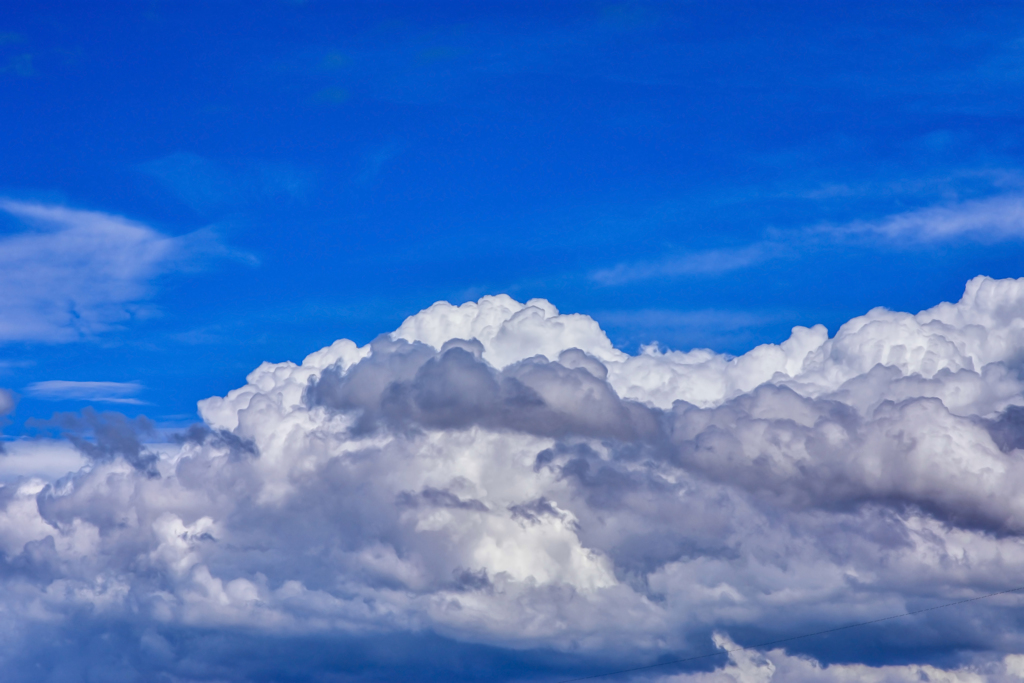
(498, 477)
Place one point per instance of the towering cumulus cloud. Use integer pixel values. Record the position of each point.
(494, 492)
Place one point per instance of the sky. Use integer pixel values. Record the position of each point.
(708, 191)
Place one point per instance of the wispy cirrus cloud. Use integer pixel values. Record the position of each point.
(708, 262)
(102, 392)
(74, 274)
(991, 219)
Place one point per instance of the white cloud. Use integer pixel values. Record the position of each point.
(709, 262)
(498, 473)
(991, 219)
(105, 392)
(44, 459)
(746, 666)
(80, 273)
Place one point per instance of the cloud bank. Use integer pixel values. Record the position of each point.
(497, 480)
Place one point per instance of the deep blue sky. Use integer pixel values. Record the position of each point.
(700, 174)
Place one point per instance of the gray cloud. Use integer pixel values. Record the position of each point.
(103, 437)
(499, 476)
(457, 389)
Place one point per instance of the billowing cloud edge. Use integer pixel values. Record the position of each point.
(498, 473)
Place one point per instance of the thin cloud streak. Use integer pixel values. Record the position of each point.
(709, 262)
(992, 219)
(103, 392)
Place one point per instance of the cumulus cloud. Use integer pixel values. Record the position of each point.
(497, 478)
(80, 273)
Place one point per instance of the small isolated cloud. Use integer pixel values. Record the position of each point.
(987, 220)
(101, 392)
(76, 274)
(710, 262)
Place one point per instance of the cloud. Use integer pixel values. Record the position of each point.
(81, 273)
(754, 667)
(107, 436)
(104, 392)
(45, 459)
(496, 483)
(992, 219)
(710, 262)
(7, 402)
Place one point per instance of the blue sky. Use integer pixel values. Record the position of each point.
(190, 189)
(660, 166)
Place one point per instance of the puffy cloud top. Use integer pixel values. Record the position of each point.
(497, 473)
